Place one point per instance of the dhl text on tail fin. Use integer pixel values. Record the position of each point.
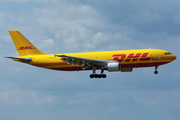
(112, 61)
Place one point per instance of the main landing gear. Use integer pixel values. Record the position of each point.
(156, 72)
(98, 76)
(94, 75)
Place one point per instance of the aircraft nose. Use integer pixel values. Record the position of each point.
(174, 57)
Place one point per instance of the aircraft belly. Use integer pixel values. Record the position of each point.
(63, 66)
(137, 65)
(75, 68)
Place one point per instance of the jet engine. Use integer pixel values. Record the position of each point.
(113, 67)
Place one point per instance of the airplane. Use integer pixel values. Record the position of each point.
(112, 61)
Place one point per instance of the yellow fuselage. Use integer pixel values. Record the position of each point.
(126, 58)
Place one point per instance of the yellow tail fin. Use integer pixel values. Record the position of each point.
(23, 46)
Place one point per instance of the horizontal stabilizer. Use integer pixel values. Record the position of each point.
(26, 59)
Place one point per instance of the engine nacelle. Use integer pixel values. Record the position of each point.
(113, 67)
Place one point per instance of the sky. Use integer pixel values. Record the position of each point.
(68, 26)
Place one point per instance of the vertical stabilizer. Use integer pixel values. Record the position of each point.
(23, 46)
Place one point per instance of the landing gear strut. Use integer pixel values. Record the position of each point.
(94, 75)
(156, 72)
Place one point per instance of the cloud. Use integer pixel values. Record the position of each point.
(177, 18)
(145, 20)
(48, 43)
(154, 97)
(23, 98)
(60, 26)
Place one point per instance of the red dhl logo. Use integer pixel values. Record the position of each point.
(133, 57)
(26, 48)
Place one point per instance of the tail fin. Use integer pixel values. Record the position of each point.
(23, 46)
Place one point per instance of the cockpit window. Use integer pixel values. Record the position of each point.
(168, 54)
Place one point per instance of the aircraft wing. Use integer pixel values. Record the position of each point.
(83, 61)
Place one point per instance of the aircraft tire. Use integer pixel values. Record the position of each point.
(91, 76)
(104, 75)
(155, 72)
(97, 76)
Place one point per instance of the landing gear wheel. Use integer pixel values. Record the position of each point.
(155, 72)
(91, 76)
(97, 76)
(104, 75)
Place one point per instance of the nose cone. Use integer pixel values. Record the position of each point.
(174, 57)
(169, 58)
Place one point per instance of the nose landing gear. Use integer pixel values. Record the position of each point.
(156, 72)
